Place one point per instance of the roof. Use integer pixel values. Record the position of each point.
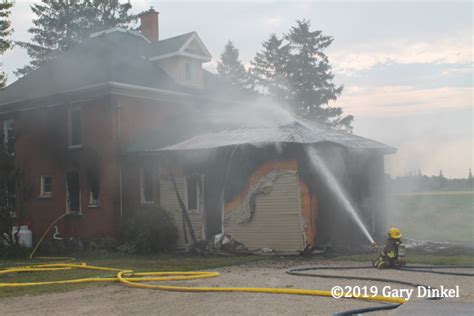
(300, 131)
(169, 45)
(114, 55)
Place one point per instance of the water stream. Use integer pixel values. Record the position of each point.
(319, 165)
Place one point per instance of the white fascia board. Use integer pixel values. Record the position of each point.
(178, 53)
(194, 36)
(119, 29)
(181, 52)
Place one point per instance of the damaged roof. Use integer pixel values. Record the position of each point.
(300, 131)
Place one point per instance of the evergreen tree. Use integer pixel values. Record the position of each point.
(231, 70)
(59, 25)
(268, 68)
(310, 77)
(5, 32)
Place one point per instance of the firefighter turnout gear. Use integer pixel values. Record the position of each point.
(393, 253)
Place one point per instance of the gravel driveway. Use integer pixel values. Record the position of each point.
(116, 299)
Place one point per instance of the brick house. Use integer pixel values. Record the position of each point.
(75, 115)
(100, 128)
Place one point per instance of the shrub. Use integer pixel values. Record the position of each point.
(13, 251)
(148, 231)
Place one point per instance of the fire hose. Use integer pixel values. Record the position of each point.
(137, 279)
(419, 268)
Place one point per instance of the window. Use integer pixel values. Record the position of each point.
(8, 137)
(46, 186)
(73, 192)
(187, 71)
(75, 128)
(94, 195)
(193, 192)
(146, 184)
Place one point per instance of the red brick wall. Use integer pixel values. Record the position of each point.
(42, 149)
(137, 118)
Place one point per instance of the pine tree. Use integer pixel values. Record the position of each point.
(310, 77)
(5, 32)
(268, 68)
(231, 70)
(59, 25)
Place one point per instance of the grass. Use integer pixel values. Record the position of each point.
(137, 263)
(440, 216)
(416, 258)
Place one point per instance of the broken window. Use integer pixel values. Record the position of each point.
(8, 137)
(94, 194)
(73, 192)
(187, 71)
(46, 186)
(193, 192)
(75, 128)
(146, 185)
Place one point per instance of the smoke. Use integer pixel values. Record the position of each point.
(262, 112)
(320, 166)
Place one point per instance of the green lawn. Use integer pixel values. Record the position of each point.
(440, 216)
(136, 263)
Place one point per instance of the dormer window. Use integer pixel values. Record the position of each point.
(187, 72)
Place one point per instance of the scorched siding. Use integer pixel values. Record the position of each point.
(276, 222)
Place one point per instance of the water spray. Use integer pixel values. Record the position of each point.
(319, 165)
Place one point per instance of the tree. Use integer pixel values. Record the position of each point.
(268, 68)
(7, 190)
(59, 25)
(15, 190)
(5, 32)
(232, 72)
(310, 77)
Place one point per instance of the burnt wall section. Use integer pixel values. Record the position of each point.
(43, 149)
(359, 175)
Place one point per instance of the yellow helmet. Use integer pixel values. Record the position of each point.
(395, 233)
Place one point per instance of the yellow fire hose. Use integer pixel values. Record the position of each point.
(135, 279)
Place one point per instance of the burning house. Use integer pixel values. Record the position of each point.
(285, 187)
(104, 128)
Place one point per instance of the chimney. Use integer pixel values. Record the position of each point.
(149, 25)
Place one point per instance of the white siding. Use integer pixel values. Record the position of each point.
(170, 202)
(276, 222)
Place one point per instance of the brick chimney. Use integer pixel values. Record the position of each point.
(149, 25)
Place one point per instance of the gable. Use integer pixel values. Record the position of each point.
(188, 45)
(195, 48)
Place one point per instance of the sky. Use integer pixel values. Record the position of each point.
(407, 67)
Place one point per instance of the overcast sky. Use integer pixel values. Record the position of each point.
(407, 68)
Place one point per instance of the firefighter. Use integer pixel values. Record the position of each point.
(393, 253)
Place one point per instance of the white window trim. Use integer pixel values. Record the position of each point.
(142, 189)
(69, 127)
(44, 194)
